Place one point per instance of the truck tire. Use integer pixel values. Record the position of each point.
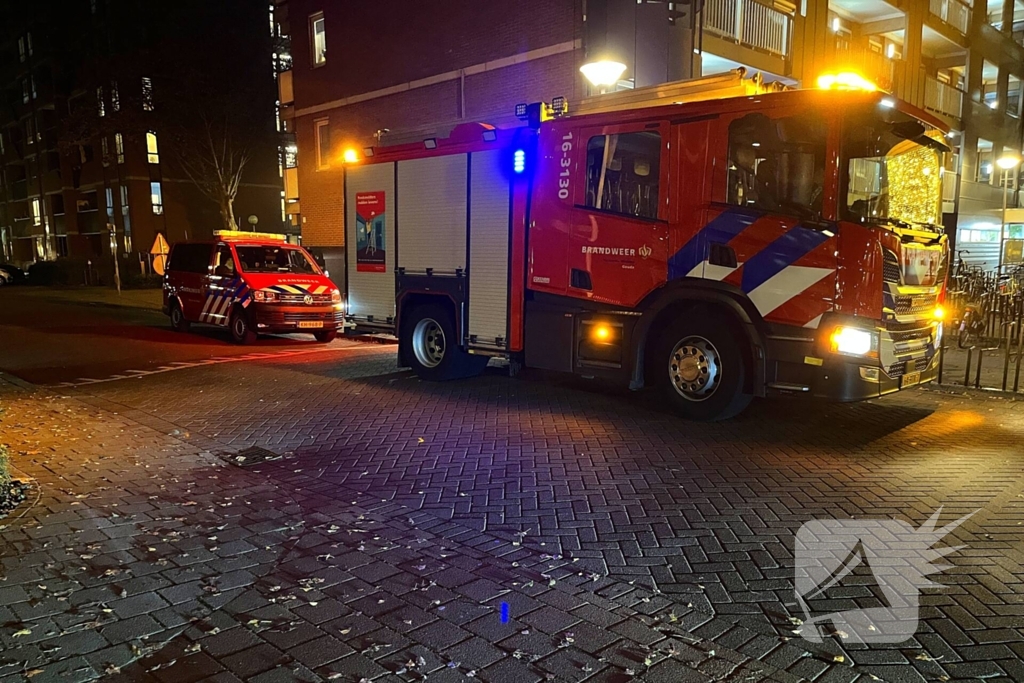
(325, 336)
(241, 331)
(178, 322)
(700, 368)
(431, 347)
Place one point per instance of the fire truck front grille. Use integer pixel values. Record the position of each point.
(890, 267)
(301, 298)
(335, 316)
(916, 306)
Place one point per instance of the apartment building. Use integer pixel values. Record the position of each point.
(359, 73)
(84, 89)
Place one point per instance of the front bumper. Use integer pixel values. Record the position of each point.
(284, 319)
(908, 355)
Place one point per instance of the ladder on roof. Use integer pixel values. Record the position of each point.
(733, 83)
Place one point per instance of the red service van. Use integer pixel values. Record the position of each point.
(251, 283)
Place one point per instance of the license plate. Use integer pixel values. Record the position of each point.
(311, 324)
(911, 378)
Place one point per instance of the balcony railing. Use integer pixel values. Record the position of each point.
(943, 98)
(749, 23)
(953, 12)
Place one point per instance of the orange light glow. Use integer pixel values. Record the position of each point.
(939, 313)
(846, 80)
(351, 156)
(602, 332)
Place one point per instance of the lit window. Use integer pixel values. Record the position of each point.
(291, 156)
(125, 218)
(30, 131)
(152, 152)
(37, 216)
(323, 143)
(110, 205)
(273, 24)
(115, 97)
(147, 93)
(21, 49)
(101, 106)
(277, 115)
(119, 147)
(319, 41)
(156, 196)
(32, 81)
(105, 146)
(24, 91)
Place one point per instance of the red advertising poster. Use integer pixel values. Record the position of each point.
(370, 233)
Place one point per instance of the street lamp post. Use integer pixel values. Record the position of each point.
(1007, 163)
(603, 74)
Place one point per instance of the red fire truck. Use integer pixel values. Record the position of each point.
(717, 239)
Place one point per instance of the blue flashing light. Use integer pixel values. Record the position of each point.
(519, 161)
(504, 613)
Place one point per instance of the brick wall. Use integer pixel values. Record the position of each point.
(382, 49)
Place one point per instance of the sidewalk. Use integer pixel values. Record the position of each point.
(145, 556)
(150, 299)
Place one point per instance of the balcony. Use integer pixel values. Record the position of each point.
(943, 98)
(952, 12)
(750, 24)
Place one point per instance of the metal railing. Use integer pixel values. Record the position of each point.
(988, 318)
(943, 98)
(952, 12)
(749, 23)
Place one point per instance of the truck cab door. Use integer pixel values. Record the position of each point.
(618, 247)
(220, 288)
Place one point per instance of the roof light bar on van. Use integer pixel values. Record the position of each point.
(245, 235)
(846, 80)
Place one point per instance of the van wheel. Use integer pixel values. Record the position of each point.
(431, 347)
(178, 322)
(241, 332)
(701, 368)
(326, 336)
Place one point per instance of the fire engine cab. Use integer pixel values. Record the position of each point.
(718, 239)
(251, 283)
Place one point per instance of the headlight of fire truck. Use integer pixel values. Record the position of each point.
(263, 296)
(336, 298)
(853, 341)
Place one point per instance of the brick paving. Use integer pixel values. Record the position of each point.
(652, 541)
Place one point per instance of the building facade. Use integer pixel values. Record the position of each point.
(84, 143)
(399, 76)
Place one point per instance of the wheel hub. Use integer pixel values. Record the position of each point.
(428, 343)
(694, 368)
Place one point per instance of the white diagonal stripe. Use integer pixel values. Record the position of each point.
(223, 308)
(785, 285)
(206, 308)
(814, 323)
(709, 271)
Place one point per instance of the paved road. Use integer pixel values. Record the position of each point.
(611, 490)
(50, 337)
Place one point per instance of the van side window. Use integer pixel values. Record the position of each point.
(190, 258)
(623, 171)
(778, 165)
(224, 262)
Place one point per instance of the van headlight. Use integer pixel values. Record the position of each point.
(264, 296)
(336, 296)
(853, 341)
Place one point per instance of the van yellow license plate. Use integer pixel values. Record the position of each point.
(311, 324)
(910, 379)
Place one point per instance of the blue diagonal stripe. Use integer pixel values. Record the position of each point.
(722, 228)
(780, 254)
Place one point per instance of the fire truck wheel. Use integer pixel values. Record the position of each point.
(178, 322)
(241, 332)
(325, 337)
(702, 371)
(431, 346)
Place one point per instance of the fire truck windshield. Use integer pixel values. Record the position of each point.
(893, 170)
(275, 259)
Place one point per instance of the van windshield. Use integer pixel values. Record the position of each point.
(275, 259)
